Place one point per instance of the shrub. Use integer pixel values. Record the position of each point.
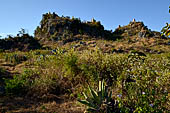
(19, 84)
(15, 58)
(70, 64)
(97, 65)
(49, 77)
(144, 86)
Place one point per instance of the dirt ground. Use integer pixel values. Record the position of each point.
(28, 104)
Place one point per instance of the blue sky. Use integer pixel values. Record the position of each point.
(17, 14)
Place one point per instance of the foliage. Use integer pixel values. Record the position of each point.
(166, 30)
(100, 101)
(144, 88)
(143, 83)
(15, 58)
(70, 66)
(19, 84)
(21, 42)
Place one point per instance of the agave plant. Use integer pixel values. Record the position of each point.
(100, 101)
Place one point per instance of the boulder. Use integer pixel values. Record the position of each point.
(141, 34)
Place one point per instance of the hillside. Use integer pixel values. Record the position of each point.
(71, 65)
(55, 31)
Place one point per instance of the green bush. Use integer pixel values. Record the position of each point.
(97, 65)
(70, 64)
(15, 58)
(19, 84)
(144, 85)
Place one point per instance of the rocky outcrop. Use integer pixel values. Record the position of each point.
(137, 29)
(53, 27)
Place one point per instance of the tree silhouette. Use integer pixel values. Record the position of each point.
(21, 32)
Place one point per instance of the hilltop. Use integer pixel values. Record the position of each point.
(55, 31)
(53, 27)
(66, 32)
(67, 57)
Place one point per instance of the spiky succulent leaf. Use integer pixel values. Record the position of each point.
(94, 95)
(100, 86)
(109, 97)
(92, 110)
(85, 102)
(98, 98)
(85, 96)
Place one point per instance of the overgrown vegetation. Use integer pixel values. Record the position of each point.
(139, 82)
(15, 58)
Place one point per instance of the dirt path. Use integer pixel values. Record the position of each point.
(28, 105)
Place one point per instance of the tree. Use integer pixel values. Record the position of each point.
(166, 30)
(22, 32)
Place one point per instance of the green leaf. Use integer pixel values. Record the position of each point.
(94, 95)
(92, 92)
(85, 102)
(91, 110)
(85, 96)
(110, 96)
(100, 85)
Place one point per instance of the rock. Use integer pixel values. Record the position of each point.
(129, 33)
(82, 43)
(120, 51)
(53, 24)
(117, 51)
(141, 34)
(156, 34)
(134, 29)
(76, 46)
